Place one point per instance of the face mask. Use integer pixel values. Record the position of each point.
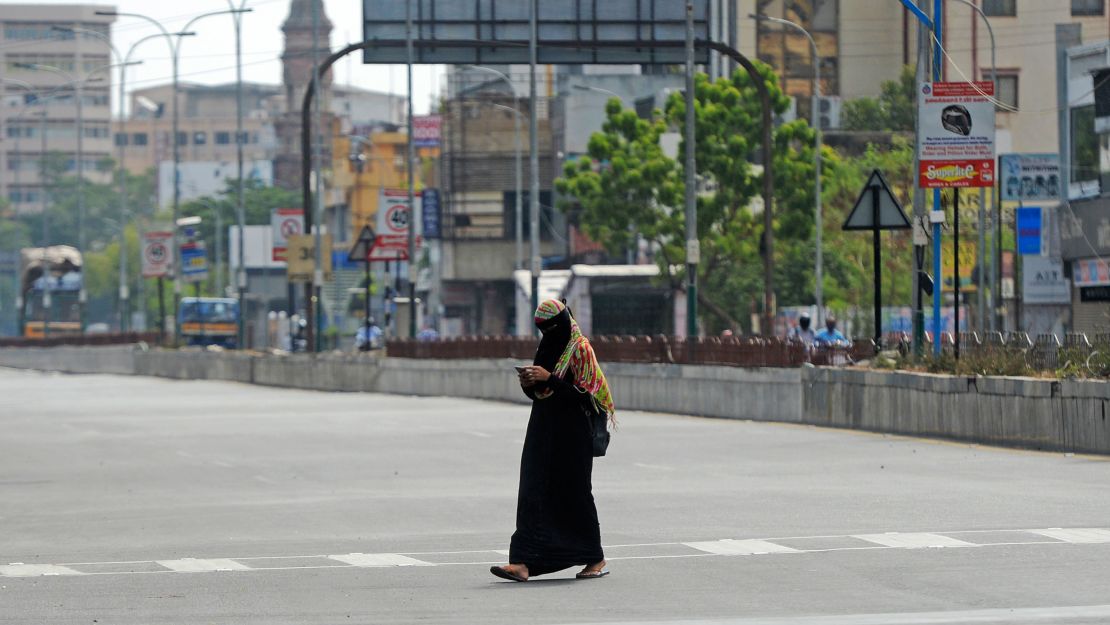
(830, 326)
(804, 323)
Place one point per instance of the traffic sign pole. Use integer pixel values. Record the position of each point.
(876, 254)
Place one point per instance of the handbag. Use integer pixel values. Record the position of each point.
(599, 424)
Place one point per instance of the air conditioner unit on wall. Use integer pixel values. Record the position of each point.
(829, 112)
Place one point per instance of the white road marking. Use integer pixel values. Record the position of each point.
(917, 540)
(657, 467)
(730, 547)
(18, 569)
(1076, 535)
(1003, 616)
(480, 434)
(699, 549)
(193, 565)
(379, 559)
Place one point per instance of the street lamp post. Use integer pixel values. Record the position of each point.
(240, 210)
(633, 247)
(518, 208)
(124, 289)
(818, 265)
(175, 49)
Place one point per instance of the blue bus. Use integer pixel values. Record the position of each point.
(209, 321)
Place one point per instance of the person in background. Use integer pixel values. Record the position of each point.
(370, 338)
(830, 335)
(803, 332)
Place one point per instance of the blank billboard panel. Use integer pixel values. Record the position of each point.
(454, 27)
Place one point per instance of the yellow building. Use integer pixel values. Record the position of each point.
(364, 165)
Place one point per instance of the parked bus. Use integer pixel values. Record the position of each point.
(209, 321)
(50, 287)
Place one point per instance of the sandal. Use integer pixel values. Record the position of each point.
(592, 574)
(509, 575)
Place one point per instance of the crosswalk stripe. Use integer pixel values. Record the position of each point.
(918, 540)
(729, 547)
(193, 565)
(379, 559)
(18, 569)
(1076, 535)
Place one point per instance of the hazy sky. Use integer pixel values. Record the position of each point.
(209, 57)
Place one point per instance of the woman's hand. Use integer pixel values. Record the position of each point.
(533, 375)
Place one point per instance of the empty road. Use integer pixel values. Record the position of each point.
(127, 500)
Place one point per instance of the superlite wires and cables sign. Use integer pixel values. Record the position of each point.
(955, 139)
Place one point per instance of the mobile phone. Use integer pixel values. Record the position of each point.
(520, 370)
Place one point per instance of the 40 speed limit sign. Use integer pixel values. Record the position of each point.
(157, 254)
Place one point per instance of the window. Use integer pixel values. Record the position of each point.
(1005, 89)
(97, 132)
(139, 138)
(223, 138)
(200, 138)
(1084, 144)
(182, 138)
(1000, 8)
(121, 139)
(1087, 7)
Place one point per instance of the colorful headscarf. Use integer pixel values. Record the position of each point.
(578, 357)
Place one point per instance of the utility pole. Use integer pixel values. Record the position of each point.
(240, 210)
(693, 250)
(313, 305)
(533, 156)
(410, 158)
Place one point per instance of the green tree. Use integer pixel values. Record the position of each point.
(628, 184)
(893, 110)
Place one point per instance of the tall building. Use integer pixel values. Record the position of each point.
(297, 70)
(39, 107)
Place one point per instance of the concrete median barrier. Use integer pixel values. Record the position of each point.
(1066, 415)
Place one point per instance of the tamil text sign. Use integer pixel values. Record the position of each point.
(956, 135)
(426, 131)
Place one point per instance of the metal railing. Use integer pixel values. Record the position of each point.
(729, 351)
(118, 338)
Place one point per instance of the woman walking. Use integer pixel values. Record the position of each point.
(556, 520)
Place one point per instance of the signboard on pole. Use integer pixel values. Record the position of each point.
(1029, 176)
(1029, 230)
(157, 257)
(426, 131)
(1043, 281)
(194, 261)
(429, 201)
(955, 138)
(301, 257)
(285, 222)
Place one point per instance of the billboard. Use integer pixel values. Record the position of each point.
(1029, 176)
(1029, 230)
(627, 28)
(955, 138)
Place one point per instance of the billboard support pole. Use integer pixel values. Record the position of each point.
(161, 311)
(956, 265)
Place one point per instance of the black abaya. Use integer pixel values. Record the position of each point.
(556, 519)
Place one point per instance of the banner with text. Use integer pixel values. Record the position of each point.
(955, 138)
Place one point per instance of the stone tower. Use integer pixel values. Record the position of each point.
(297, 70)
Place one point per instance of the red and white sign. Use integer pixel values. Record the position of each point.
(285, 222)
(157, 257)
(956, 135)
(392, 247)
(427, 131)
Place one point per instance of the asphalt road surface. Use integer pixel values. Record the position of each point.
(145, 501)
